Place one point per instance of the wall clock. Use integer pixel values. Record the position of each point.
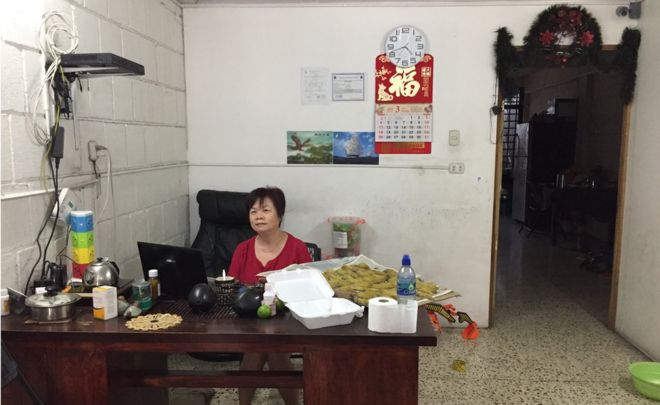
(405, 46)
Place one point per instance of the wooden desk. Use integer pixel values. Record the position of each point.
(72, 362)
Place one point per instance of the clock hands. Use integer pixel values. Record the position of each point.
(403, 47)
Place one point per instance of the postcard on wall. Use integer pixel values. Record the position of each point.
(314, 86)
(354, 148)
(309, 147)
(348, 87)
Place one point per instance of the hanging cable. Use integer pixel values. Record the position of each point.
(111, 194)
(54, 27)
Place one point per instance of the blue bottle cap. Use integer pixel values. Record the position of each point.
(405, 261)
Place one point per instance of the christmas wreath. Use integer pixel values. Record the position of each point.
(563, 35)
(560, 36)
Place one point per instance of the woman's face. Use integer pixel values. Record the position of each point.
(263, 216)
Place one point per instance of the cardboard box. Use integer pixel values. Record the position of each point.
(104, 300)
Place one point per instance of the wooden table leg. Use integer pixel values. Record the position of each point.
(381, 375)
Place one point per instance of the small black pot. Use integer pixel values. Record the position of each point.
(201, 298)
(247, 302)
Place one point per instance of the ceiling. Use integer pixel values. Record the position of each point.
(411, 2)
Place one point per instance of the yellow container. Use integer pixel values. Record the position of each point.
(83, 255)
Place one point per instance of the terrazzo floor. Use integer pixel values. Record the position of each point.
(548, 343)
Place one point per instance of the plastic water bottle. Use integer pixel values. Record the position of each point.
(406, 282)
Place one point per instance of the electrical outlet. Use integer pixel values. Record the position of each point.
(457, 168)
(68, 203)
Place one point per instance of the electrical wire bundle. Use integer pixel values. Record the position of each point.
(53, 27)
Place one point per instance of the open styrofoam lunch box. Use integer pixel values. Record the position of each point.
(310, 298)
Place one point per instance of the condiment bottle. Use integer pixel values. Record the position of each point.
(155, 285)
(269, 298)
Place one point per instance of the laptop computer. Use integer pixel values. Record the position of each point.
(179, 268)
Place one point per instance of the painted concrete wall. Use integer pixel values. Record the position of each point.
(243, 83)
(638, 318)
(140, 119)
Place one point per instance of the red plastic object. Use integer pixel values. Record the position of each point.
(471, 332)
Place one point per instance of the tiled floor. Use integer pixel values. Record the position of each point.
(548, 344)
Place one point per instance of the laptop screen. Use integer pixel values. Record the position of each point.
(179, 268)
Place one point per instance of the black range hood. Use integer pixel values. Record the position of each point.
(90, 65)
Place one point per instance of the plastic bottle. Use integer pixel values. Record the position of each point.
(269, 298)
(406, 282)
(4, 297)
(155, 285)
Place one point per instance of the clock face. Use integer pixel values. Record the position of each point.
(405, 46)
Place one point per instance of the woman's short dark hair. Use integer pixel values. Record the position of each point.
(259, 194)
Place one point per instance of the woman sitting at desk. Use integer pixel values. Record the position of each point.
(271, 249)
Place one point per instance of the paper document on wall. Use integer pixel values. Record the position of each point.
(314, 85)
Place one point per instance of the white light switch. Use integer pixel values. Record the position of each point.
(454, 137)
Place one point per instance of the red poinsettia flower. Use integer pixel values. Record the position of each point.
(546, 38)
(587, 39)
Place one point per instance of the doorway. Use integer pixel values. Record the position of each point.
(560, 166)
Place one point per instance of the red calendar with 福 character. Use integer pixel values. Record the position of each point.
(404, 106)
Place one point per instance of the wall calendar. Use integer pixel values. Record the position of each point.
(404, 123)
(404, 109)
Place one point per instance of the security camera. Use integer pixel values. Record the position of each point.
(622, 11)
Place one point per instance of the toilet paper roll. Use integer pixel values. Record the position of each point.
(383, 315)
(408, 320)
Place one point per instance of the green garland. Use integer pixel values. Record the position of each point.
(625, 61)
(563, 35)
(506, 62)
(543, 48)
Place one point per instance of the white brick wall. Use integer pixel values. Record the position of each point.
(140, 119)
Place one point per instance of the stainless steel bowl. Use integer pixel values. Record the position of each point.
(52, 306)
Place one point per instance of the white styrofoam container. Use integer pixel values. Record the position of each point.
(310, 298)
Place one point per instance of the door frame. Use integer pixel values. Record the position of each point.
(618, 231)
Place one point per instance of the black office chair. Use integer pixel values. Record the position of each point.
(224, 224)
(314, 251)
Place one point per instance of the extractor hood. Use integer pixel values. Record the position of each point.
(90, 65)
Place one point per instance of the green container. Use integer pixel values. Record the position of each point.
(646, 376)
(82, 239)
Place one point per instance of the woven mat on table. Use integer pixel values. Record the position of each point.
(182, 308)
